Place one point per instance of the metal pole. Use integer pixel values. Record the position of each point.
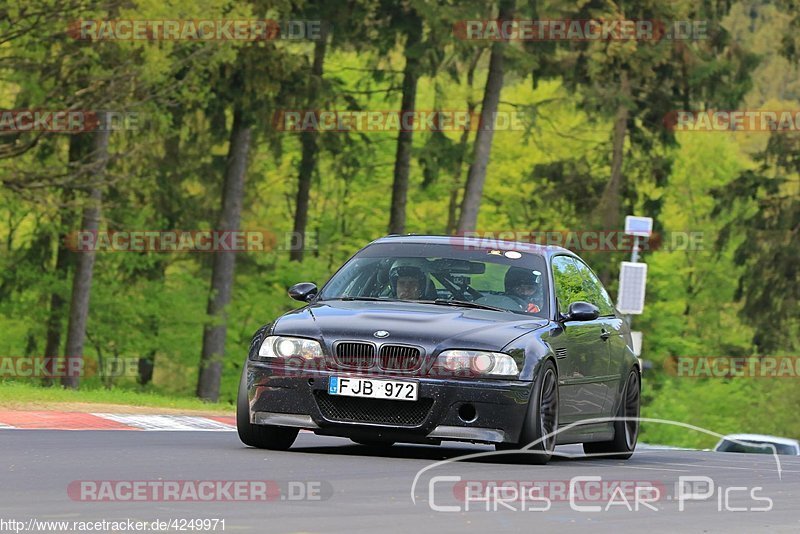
(634, 259)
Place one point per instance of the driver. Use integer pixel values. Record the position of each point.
(408, 282)
(523, 285)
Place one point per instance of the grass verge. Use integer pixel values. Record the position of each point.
(22, 396)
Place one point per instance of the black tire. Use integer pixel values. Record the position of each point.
(541, 419)
(277, 438)
(373, 443)
(626, 432)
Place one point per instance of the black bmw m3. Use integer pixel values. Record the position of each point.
(430, 338)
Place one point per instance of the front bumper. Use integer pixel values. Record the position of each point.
(476, 410)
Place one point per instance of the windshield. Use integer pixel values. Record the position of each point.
(444, 274)
(756, 447)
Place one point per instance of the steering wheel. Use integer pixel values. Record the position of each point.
(525, 304)
(454, 289)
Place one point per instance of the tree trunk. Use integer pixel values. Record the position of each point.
(84, 266)
(55, 319)
(610, 202)
(308, 161)
(146, 365)
(473, 192)
(452, 208)
(405, 138)
(56, 316)
(215, 331)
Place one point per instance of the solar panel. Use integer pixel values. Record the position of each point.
(632, 281)
(641, 226)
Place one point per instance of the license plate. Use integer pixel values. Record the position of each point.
(373, 389)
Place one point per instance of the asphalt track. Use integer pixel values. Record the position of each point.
(357, 489)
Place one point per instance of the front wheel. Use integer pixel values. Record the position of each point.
(276, 438)
(541, 421)
(626, 424)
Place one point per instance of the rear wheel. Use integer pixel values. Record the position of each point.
(541, 422)
(626, 426)
(260, 436)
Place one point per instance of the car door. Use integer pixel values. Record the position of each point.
(581, 350)
(612, 330)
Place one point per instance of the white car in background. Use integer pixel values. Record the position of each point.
(758, 444)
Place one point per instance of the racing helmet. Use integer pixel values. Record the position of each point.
(516, 276)
(407, 269)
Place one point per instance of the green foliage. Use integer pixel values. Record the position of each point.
(720, 406)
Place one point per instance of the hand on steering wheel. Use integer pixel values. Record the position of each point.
(532, 308)
(525, 305)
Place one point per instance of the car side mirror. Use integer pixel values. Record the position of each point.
(582, 311)
(304, 291)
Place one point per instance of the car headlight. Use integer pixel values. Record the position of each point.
(478, 362)
(289, 347)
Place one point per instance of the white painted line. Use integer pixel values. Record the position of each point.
(6, 426)
(168, 422)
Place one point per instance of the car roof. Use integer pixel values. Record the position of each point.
(762, 437)
(475, 242)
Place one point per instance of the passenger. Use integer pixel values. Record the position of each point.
(524, 287)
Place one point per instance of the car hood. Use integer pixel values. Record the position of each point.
(430, 326)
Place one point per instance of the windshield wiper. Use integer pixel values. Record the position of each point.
(371, 299)
(357, 298)
(464, 304)
(440, 302)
